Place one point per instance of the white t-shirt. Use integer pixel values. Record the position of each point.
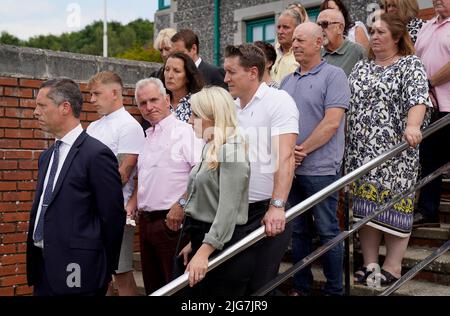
(123, 135)
(351, 36)
(271, 112)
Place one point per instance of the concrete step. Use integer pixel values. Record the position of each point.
(445, 206)
(430, 236)
(415, 255)
(137, 261)
(411, 288)
(139, 282)
(446, 184)
(444, 211)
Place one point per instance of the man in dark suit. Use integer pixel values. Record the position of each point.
(186, 41)
(77, 218)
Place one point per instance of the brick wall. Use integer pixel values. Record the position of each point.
(21, 143)
(427, 14)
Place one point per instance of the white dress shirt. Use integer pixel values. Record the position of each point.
(64, 148)
(198, 62)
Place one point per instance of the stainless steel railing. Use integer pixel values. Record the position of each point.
(343, 235)
(300, 208)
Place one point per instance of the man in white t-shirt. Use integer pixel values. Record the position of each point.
(269, 119)
(120, 131)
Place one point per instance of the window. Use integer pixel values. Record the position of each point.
(261, 30)
(163, 4)
(313, 13)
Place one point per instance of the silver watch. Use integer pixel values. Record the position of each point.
(182, 202)
(277, 203)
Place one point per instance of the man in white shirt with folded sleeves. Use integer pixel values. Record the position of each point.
(120, 131)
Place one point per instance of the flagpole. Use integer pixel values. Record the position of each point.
(105, 30)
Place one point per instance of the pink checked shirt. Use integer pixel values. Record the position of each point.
(169, 152)
(433, 47)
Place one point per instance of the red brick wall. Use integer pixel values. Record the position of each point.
(21, 143)
(427, 14)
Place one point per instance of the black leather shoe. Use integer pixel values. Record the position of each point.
(422, 221)
(387, 278)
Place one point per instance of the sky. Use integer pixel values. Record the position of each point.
(27, 18)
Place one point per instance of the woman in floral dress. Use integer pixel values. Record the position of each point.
(388, 104)
(181, 79)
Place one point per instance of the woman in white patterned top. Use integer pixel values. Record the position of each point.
(388, 104)
(181, 78)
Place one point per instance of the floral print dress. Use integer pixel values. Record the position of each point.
(381, 99)
(183, 111)
(413, 27)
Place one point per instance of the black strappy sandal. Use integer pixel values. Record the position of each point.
(387, 278)
(361, 275)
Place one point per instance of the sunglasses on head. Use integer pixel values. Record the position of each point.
(295, 5)
(325, 24)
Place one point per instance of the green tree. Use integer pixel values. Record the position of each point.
(9, 39)
(128, 41)
(144, 30)
(141, 53)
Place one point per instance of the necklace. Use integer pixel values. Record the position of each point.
(385, 60)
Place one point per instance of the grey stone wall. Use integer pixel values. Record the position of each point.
(198, 15)
(359, 9)
(24, 62)
(161, 22)
(228, 25)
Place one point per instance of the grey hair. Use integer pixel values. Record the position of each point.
(65, 89)
(164, 36)
(293, 14)
(147, 81)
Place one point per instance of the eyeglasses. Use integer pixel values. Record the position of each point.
(325, 24)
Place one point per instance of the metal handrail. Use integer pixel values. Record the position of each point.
(343, 235)
(299, 209)
(417, 268)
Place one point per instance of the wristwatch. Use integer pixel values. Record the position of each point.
(277, 203)
(182, 202)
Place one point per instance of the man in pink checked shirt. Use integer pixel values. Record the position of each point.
(166, 158)
(433, 47)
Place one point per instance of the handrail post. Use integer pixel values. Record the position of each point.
(348, 247)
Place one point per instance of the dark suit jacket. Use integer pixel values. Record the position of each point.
(84, 221)
(212, 75)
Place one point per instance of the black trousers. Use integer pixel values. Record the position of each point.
(434, 153)
(248, 271)
(42, 286)
(266, 253)
(231, 278)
